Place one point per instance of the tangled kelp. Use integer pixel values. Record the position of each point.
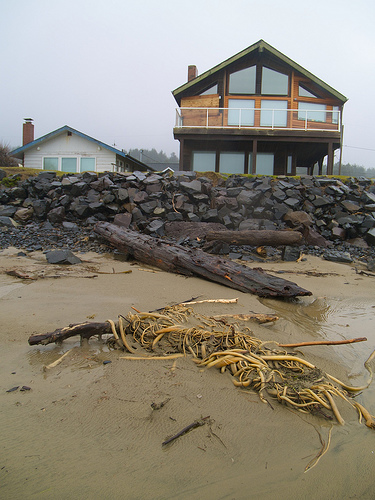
(262, 366)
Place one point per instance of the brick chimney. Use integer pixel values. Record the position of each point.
(28, 131)
(192, 72)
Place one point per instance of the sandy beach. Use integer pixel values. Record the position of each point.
(87, 430)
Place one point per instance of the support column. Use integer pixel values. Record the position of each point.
(181, 161)
(330, 159)
(255, 150)
(217, 161)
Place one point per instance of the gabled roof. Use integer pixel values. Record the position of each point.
(260, 46)
(19, 152)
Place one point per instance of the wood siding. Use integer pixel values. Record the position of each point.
(70, 146)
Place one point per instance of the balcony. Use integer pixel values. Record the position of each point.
(264, 118)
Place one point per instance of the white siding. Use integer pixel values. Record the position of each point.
(70, 146)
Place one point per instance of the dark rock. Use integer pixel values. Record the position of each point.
(249, 224)
(40, 208)
(7, 211)
(7, 222)
(65, 257)
(156, 227)
(298, 218)
(370, 237)
(321, 201)
(56, 215)
(338, 233)
(192, 187)
(70, 226)
(290, 254)
(123, 220)
(336, 256)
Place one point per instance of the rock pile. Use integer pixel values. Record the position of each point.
(328, 211)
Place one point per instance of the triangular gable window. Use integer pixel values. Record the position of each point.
(303, 92)
(211, 90)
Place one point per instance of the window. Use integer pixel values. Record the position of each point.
(311, 111)
(50, 163)
(273, 113)
(303, 92)
(69, 164)
(232, 163)
(88, 164)
(204, 161)
(273, 82)
(335, 114)
(241, 112)
(243, 81)
(211, 90)
(264, 164)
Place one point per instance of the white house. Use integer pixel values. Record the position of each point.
(68, 150)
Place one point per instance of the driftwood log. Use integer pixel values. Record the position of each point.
(85, 330)
(194, 262)
(257, 237)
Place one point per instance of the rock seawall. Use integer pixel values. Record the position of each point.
(330, 212)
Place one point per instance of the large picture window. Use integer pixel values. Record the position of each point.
(241, 112)
(232, 162)
(273, 82)
(204, 161)
(69, 165)
(264, 164)
(273, 114)
(243, 81)
(87, 164)
(311, 111)
(50, 163)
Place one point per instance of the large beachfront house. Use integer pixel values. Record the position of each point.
(258, 112)
(69, 150)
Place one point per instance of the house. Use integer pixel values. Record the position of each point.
(69, 150)
(258, 112)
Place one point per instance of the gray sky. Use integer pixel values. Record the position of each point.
(107, 68)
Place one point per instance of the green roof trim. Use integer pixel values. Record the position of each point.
(260, 46)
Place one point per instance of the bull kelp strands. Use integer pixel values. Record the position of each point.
(254, 364)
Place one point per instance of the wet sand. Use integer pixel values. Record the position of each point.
(87, 430)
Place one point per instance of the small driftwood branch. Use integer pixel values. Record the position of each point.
(57, 362)
(209, 301)
(325, 342)
(195, 424)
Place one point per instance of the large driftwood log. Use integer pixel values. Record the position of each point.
(257, 237)
(176, 258)
(85, 330)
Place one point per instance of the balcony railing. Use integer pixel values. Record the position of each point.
(259, 118)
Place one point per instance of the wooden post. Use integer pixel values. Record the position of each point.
(255, 147)
(341, 145)
(217, 161)
(181, 162)
(330, 159)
